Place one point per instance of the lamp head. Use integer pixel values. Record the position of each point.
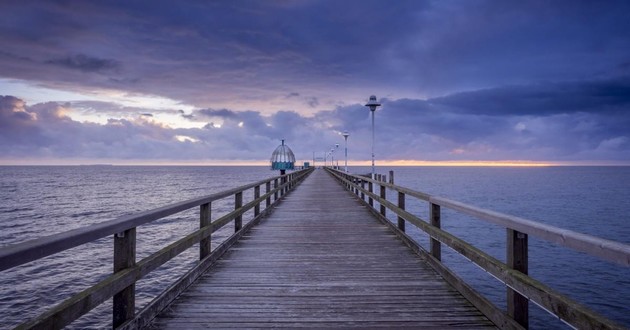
(372, 103)
(345, 134)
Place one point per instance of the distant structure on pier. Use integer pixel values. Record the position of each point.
(282, 158)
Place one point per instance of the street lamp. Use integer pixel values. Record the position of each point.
(337, 147)
(332, 158)
(345, 136)
(372, 104)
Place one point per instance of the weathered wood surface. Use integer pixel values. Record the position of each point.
(320, 260)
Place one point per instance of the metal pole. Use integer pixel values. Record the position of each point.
(346, 147)
(373, 144)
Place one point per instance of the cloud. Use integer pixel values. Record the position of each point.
(276, 55)
(85, 63)
(459, 80)
(405, 129)
(544, 99)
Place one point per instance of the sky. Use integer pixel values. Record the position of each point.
(223, 82)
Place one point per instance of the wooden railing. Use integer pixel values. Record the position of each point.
(520, 287)
(121, 284)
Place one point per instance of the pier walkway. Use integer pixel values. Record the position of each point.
(321, 259)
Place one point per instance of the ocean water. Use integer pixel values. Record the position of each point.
(42, 200)
(38, 201)
(589, 200)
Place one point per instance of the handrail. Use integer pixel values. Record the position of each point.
(21, 253)
(602, 248)
(514, 272)
(120, 284)
(605, 249)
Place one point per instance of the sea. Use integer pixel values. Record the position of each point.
(36, 201)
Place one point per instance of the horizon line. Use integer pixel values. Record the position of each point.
(392, 163)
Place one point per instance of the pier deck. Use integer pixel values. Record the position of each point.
(321, 259)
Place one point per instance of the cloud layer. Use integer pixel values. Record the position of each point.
(561, 122)
(462, 80)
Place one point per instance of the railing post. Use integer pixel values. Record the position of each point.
(267, 190)
(205, 247)
(391, 177)
(517, 304)
(238, 202)
(124, 257)
(283, 180)
(436, 248)
(370, 201)
(383, 196)
(401, 205)
(275, 186)
(362, 187)
(257, 196)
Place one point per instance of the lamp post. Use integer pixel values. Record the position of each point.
(337, 147)
(345, 136)
(332, 157)
(372, 104)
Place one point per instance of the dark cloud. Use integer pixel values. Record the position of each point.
(85, 63)
(544, 99)
(220, 113)
(222, 51)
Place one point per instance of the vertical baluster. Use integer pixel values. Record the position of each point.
(370, 186)
(383, 197)
(362, 187)
(275, 186)
(436, 248)
(401, 205)
(257, 196)
(124, 257)
(238, 202)
(205, 212)
(267, 190)
(517, 304)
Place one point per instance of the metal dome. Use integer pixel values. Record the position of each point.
(282, 158)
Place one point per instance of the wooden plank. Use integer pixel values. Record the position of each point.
(321, 259)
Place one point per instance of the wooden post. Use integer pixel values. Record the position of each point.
(370, 186)
(238, 203)
(205, 213)
(391, 177)
(275, 186)
(267, 190)
(517, 304)
(436, 248)
(362, 187)
(383, 196)
(124, 257)
(257, 196)
(401, 204)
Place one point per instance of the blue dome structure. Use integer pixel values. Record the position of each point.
(282, 158)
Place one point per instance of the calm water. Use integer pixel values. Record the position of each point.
(38, 201)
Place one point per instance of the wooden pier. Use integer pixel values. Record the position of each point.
(320, 260)
(318, 249)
